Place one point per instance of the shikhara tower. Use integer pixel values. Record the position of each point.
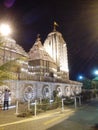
(56, 48)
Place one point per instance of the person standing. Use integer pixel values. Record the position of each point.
(6, 99)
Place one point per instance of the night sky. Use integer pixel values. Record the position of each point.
(77, 20)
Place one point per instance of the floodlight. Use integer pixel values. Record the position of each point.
(5, 29)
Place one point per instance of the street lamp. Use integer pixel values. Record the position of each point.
(5, 29)
(96, 72)
(80, 77)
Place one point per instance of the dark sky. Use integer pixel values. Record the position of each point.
(77, 20)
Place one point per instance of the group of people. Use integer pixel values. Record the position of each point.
(6, 99)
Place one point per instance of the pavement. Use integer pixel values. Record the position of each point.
(10, 116)
(88, 110)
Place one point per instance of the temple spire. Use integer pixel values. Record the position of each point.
(38, 37)
(55, 25)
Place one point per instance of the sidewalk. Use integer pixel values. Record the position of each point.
(9, 116)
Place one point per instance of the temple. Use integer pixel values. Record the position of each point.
(39, 72)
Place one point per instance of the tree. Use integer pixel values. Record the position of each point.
(87, 83)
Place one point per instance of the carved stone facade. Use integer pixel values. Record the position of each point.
(31, 90)
(45, 70)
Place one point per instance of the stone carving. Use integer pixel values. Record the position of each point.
(28, 93)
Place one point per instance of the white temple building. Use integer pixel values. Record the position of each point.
(44, 71)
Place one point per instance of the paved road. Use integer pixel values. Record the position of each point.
(82, 118)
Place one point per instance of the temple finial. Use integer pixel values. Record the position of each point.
(55, 25)
(38, 37)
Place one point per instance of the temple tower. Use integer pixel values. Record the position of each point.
(56, 48)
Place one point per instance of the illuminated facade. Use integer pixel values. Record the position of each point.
(45, 71)
(9, 50)
(56, 48)
(41, 65)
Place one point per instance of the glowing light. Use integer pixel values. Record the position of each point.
(96, 72)
(5, 29)
(80, 77)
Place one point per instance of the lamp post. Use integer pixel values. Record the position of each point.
(17, 89)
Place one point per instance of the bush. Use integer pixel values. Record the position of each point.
(44, 106)
(68, 101)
